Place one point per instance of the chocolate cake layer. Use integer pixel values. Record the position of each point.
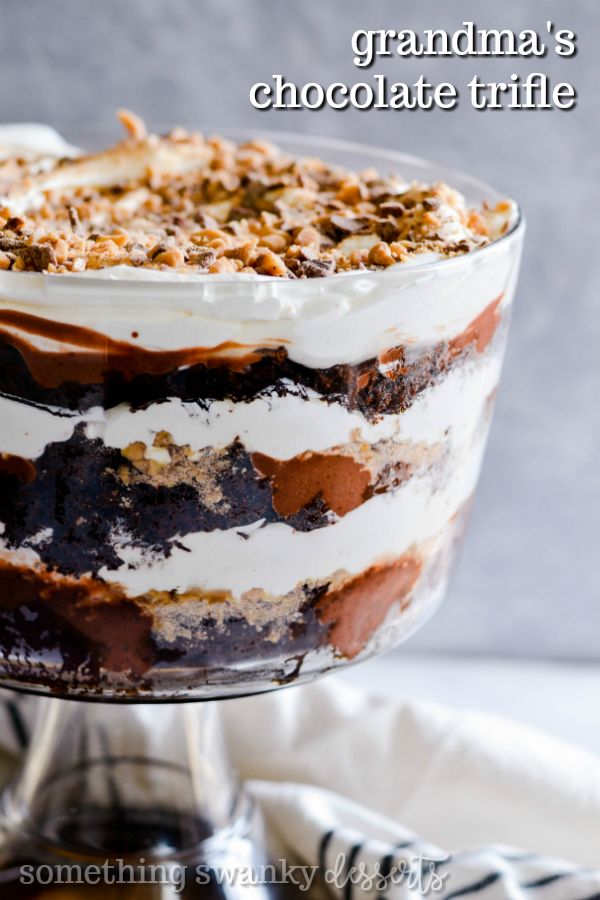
(78, 495)
(86, 629)
(72, 381)
(71, 503)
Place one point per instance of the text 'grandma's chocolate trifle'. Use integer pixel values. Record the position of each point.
(244, 396)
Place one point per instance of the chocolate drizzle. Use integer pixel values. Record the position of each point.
(86, 357)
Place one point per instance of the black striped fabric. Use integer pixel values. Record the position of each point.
(415, 868)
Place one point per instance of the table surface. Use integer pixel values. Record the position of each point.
(558, 697)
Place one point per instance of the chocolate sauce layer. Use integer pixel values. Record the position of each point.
(140, 377)
(86, 356)
(42, 617)
(355, 611)
(340, 481)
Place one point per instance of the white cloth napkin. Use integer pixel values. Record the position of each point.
(446, 803)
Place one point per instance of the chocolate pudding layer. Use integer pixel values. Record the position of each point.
(243, 401)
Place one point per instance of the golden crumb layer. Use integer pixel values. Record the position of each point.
(194, 204)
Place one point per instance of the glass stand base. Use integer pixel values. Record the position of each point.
(129, 802)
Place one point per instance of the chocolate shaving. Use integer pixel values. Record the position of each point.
(392, 208)
(388, 230)
(34, 256)
(461, 247)
(75, 221)
(16, 223)
(315, 268)
(254, 194)
(240, 212)
(204, 220)
(338, 227)
(158, 249)
(201, 256)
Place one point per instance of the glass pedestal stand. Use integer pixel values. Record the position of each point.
(128, 802)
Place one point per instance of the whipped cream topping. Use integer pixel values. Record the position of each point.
(323, 322)
(38, 145)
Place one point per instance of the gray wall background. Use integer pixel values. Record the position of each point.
(529, 579)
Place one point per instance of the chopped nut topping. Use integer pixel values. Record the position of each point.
(172, 256)
(192, 204)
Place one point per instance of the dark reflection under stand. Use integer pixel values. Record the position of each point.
(84, 811)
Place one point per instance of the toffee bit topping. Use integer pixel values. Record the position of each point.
(133, 125)
(188, 203)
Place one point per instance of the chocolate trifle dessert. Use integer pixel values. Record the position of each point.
(244, 395)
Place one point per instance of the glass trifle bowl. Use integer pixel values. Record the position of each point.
(217, 483)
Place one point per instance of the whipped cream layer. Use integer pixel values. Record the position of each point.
(283, 427)
(321, 323)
